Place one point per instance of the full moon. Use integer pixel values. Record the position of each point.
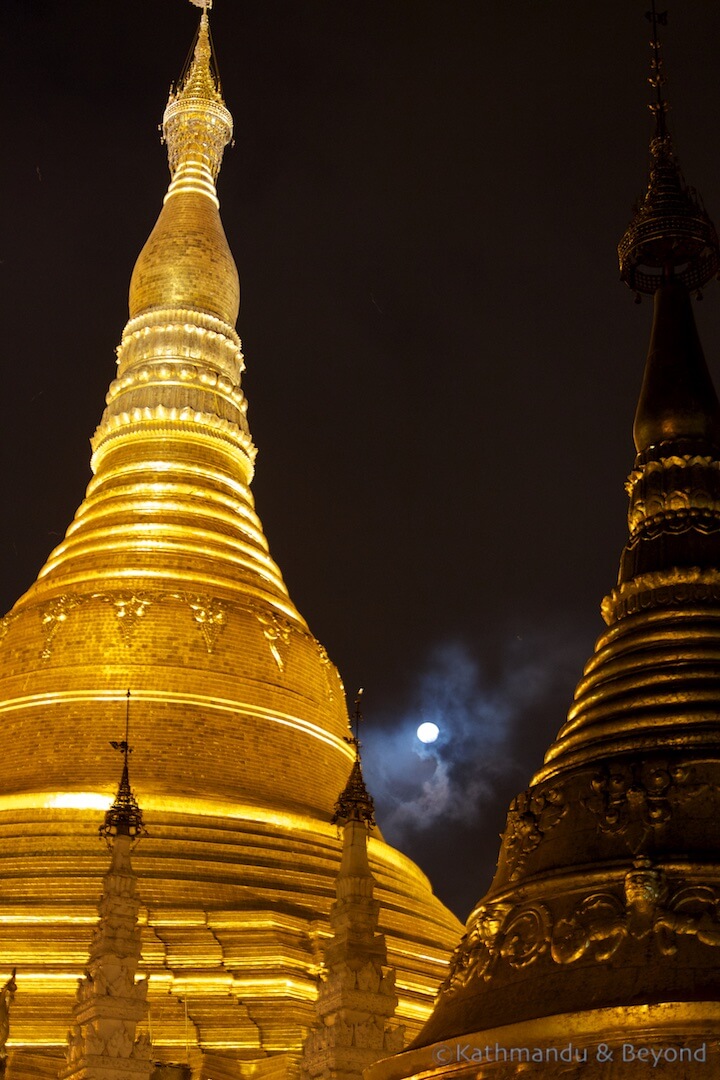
(428, 732)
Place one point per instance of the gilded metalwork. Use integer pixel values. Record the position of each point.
(105, 1038)
(670, 235)
(670, 228)
(276, 631)
(162, 582)
(674, 493)
(663, 589)
(532, 814)
(54, 617)
(603, 922)
(498, 931)
(634, 800)
(357, 996)
(210, 615)
(355, 803)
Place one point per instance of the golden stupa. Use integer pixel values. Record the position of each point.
(164, 585)
(596, 952)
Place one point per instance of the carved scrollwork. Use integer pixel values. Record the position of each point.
(633, 801)
(208, 613)
(532, 814)
(603, 922)
(525, 936)
(54, 617)
(332, 675)
(597, 926)
(499, 932)
(277, 634)
(5, 624)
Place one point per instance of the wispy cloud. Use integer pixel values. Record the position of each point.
(489, 723)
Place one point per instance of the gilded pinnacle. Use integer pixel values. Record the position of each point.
(670, 236)
(197, 126)
(124, 818)
(355, 803)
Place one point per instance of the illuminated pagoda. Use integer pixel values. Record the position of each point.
(164, 584)
(596, 951)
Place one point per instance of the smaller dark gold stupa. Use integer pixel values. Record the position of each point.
(596, 952)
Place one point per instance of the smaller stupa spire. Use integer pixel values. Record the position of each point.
(124, 818)
(104, 1042)
(355, 802)
(356, 1000)
(670, 237)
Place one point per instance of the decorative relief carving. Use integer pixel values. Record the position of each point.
(277, 634)
(635, 800)
(661, 589)
(525, 936)
(54, 617)
(532, 814)
(675, 493)
(603, 922)
(499, 932)
(332, 675)
(6, 623)
(129, 610)
(209, 614)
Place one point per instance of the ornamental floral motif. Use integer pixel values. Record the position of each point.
(54, 617)
(277, 634)
(129, 610)
(499, 932)
(634, 801)
(210, 616)
(532, 814)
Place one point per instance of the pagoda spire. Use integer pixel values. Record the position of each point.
(164, 581)
(599, 937)
(197, 126)
(104, 1042)
(357, 999)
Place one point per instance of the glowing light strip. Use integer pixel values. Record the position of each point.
(129, 470)
(220, 505)
(194, 177)
(93, 524)
(223, 705)
(162, 537)
(187, 805)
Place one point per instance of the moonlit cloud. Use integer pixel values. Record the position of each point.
(486, 720)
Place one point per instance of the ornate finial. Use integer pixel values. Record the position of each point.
(659, 108)
(197, 126)
(124, 818)
(355, 802)
(670, 237)
(357, 721)
(204, 4)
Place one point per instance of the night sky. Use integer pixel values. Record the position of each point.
(424, 201)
